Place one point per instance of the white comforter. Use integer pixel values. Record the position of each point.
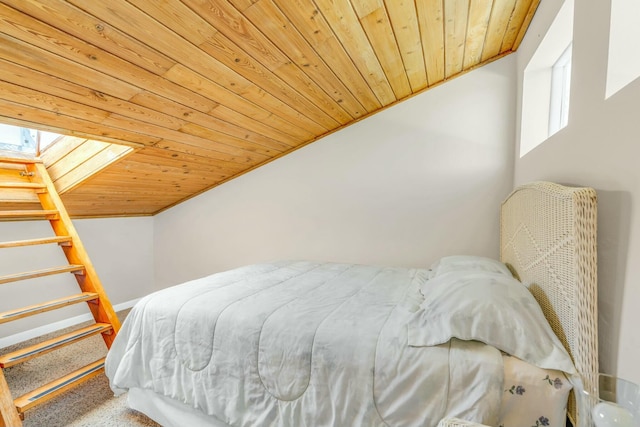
(303, 344)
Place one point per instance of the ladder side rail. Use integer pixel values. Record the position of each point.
(9, 416)
(76, 254)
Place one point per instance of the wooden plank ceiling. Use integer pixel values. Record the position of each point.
(206, 90)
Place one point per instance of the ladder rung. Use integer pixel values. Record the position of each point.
(19, 158)
(75, 268)
(54, 388)
(20, 356)
(29, 214)
(22, 185)
(61, 240)
(31, 310)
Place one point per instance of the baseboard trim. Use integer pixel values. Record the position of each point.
(56, 326)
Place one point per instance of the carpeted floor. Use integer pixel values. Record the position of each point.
(90, 404)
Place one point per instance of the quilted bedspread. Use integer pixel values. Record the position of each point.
(302, 344)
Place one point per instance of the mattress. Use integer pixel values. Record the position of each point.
(299, 343)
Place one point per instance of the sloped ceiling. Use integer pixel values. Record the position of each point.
(205, 90)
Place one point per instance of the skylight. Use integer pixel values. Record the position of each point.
(74, 160)
(25, 140)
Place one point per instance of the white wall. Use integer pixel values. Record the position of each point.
(417, 181)
(414, 182)
(121, 250)
(599, 148)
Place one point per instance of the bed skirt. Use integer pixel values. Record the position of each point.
(168, 412)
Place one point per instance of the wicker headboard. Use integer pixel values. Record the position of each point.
(548, 238)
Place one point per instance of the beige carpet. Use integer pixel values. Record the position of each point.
(89, 404)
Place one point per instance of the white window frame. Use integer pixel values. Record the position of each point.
(535, 120)
(560, 91)
(623, 64)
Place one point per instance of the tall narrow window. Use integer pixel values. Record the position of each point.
(560, 89)
(624, 45)
(547, 82)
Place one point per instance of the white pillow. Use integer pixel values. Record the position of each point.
(468, 263)
(489, 307)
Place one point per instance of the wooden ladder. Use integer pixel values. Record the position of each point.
(19, 175)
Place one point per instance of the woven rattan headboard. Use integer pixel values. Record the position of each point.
(548, 238)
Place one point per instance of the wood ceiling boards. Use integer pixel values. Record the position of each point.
(206, 90)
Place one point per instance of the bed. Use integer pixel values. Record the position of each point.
(302, 343)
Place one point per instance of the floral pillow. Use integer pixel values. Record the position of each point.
(533, 397)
